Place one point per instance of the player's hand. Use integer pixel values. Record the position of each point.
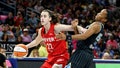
(74, 23)
(61, 36)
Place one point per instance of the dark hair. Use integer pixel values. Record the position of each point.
(109, 16)
(114, 14)
(2, 60)
(3, 39)
(53, 15)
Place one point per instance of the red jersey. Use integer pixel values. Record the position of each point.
(18, 21)
(57, 49)
(54, 45)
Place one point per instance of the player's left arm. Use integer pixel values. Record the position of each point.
(93, 29)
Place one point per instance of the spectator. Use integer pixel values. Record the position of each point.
(19, 39)
(25, 3)
(4, 37)
(10, 19)
(2, 51)
(11, 36)
(38, 7)
(116, 55)
(20, 8)
(2, 58)
(5, 29)
(25, 36)
(33, 20)
(1, 32)
(18, 31)
(42, 50)
(18, 19)
(34, 53)
(109, 50)
(112, 42)
(116, 34)
(8, 35)
(106, 55)
(2, 61)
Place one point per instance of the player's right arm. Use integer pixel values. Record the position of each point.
(37, 40)
(62, 27)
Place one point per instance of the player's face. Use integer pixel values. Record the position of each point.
(45, 18)
(101, 16)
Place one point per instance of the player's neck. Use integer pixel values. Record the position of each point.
(47, 27)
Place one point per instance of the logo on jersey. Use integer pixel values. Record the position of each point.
(50, 39)
(99, 37)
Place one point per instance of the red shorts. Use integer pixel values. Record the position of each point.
(55, 60)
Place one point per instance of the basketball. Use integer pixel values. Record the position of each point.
(20, 50)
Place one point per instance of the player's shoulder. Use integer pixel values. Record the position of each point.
(40, 29)
(95, 24)
(57, 27)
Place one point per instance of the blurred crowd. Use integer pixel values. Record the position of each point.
(22, 27)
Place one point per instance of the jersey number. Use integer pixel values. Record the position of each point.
(49, 46)
(99, 37)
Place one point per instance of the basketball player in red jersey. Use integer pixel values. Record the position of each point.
(57, 50)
